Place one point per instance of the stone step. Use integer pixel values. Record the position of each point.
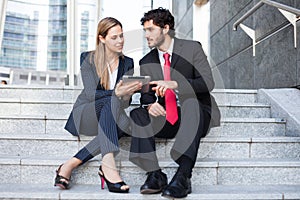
(93, 192)
(247, 127)
(34, 170)
(60, 93)
(235, 96)
(250, 127)
(14, 106)
(245, 110)
(210, 147)
(248, 157)
(55, 93)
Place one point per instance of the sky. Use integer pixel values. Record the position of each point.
(130, 12)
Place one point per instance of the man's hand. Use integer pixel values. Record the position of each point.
(156, 110)
(162, 86)
(126, 90)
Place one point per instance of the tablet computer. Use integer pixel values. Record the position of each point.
(144, 79)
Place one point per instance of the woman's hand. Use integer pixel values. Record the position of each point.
(156, 110)
(162, 86)
(126, 90)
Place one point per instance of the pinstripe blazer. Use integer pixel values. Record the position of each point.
(92, 90)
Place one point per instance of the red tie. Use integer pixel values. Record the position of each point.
(170, 97)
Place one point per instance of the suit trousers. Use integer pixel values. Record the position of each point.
(187, 131)
(109, 124)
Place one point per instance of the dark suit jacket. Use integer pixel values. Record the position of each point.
(92, 90)
(190, 68)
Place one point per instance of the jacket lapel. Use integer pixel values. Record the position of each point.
(121, 68)
(153, 60)
(176, 52)
(154, 56)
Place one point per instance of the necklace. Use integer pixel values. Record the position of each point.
(112, 65)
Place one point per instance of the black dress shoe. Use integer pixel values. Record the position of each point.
(179, 187)
(154, 183)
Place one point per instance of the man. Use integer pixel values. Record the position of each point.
(3, 82)
(181, 77)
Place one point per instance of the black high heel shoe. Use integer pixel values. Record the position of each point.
(62, 182)
(112, 187)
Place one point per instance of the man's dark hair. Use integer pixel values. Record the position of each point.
(160, 17)
(4, 82)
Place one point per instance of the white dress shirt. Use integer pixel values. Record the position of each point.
(112, 78)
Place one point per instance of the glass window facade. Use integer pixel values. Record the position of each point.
(19, 44)
(35, 33)
(57, 35)
(87, 14)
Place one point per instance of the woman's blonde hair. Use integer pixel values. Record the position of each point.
(99, 54)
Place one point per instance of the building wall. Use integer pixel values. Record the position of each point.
(276, 63)
(183, 13)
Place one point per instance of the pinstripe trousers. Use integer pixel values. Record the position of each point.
(109, 123)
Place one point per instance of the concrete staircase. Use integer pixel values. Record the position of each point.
(248, 157)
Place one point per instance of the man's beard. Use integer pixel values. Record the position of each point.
(160, 40)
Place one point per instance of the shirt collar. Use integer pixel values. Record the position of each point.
(169, 51)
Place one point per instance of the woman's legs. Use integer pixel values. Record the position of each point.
(108, 135)
(89, 127)
(110, 170)
(67, 168)
(106, 140)
(81, 157)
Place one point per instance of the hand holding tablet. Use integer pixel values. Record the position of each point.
(143, 79)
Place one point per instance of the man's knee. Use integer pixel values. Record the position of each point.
(192, 103)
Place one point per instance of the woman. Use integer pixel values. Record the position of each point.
(99, 109)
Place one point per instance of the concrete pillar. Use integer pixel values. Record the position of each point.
(71, 40)
(201, 25)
